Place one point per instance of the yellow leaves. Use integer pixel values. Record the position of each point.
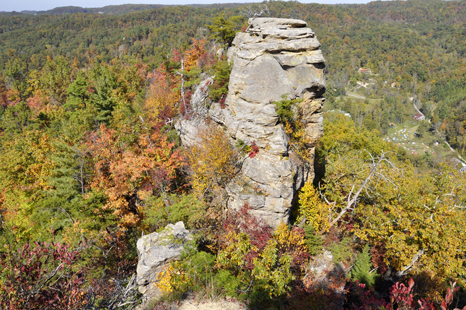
(292, 242)
(19, 208)
(171, 277)
(144, 194)
(212, 161)
(164, 278)
(311, 207)
(161, 101)
(341, 136)
(405, 211)
(288, 128)
(415, 213)
(233, 256)
(273, 270)
(25, 161)
(288, 240)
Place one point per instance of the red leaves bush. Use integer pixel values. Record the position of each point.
(254, 151)
(401, 297)
(40, 276)
(242, 221)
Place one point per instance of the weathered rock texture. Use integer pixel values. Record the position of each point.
(156, 251)
(275, 57)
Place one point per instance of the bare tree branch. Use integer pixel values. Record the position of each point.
(413, 261)
(352, 200)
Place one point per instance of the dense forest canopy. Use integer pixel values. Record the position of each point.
(90, 158)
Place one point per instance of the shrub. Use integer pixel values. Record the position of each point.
(254, 150)
(224, 30)
(212, 162)
(285, 109)
(221, 71)
(40, 276)
(401, 297)
(173, 208)
(311, 208)
(341, 251)
(289, 114)
(292, 242)
(243, 221)
(194, 272)
(314, 241)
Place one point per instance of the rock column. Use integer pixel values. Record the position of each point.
(275, 57)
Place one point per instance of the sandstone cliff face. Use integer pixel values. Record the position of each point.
(273, 58)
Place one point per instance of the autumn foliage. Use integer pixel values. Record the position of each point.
(213, 161)
(40, 276)
(128, 175)
(89, 148)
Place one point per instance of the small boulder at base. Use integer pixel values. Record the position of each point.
(324, 275)
(156, 251)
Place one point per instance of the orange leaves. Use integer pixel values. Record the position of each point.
(161, 102)
(38, 103)
(192, 55)
(125, 171)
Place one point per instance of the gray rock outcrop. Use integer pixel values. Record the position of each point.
(156, 251)
(274, 58)
(190, 127)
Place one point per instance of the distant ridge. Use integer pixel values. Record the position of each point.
(112, 9)
(109, 9)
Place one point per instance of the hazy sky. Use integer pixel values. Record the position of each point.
(43, 5)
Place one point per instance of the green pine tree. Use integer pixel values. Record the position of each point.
(361, 270)
(224, 30)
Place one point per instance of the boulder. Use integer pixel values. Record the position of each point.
(324, 275)
(156, 251)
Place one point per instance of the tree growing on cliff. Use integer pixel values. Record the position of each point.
(224, 30)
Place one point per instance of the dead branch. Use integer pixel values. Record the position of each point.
(352, 200)
(413, 261)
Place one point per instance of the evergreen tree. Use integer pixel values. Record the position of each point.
(361, 270)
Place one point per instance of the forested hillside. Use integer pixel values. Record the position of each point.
(90, 159)
(416, 46)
